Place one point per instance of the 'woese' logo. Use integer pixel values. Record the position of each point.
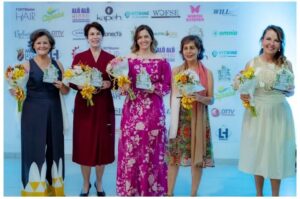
(165, 14)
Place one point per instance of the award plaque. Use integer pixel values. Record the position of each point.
(284, 80)
(143, 80)
(96, 78)
(50, 74)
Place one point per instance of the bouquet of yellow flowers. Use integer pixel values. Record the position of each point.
(188, 82)
(17, 77)
(86, 76)
(245, 82)
(187, 102)
(118, 68)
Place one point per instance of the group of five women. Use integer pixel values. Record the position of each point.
(148, 161)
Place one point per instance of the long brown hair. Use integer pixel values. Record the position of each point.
(135, 47)
(279, 56)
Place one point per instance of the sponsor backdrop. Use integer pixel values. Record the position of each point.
(230, 33)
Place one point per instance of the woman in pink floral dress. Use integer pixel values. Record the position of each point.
(142, 170)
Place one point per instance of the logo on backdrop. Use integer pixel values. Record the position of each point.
(223, 92)
(21, 34)
(224, 12)
(113, 34)
(57, 33)
(25, 14)
(24, 54)
(165, 14)
(78, 34)
(166, 34)
(112, 50)
(196, 30)
(20, 54)
(224, 74)
(223, 133)
(136, 14)
(54, 54)
(52, 14)
(194, 14)
(223, 112)
(109, 15)
(75, 51)
(224, 53)
(81, 15)
(167, 52)
(231, 33)
(28, 54)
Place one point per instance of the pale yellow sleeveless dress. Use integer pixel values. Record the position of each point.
(268, 141)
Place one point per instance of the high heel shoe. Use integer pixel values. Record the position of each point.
(87, 193)
(99, 193)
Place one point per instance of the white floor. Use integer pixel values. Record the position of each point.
(223, 180)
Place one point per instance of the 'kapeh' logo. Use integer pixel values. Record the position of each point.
(110, 16)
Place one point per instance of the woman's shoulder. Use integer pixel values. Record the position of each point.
(155, 56)
(159, 56)
(59, 64)
(131, 56)
(252, 62)
(288, 64)
(26, 65)
(107, 54)
(177, 69)
(82, 53)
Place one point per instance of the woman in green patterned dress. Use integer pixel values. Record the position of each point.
(190, 136)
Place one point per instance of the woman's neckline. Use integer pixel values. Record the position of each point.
(266, 62)
(42, 68)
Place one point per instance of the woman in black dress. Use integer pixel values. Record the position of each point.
(42, 139)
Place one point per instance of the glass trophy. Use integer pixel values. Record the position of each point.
(96, 78)
(284, 80)
(50, 74)
(143, 80)
(189, 89)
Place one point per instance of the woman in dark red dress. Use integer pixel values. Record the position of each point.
(94, 126)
